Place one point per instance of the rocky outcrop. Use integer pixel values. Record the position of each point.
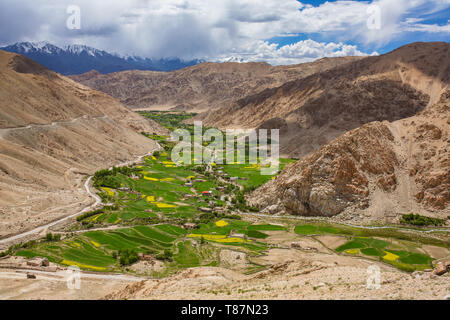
(395, 167)
(335, 177)
(442, 268)
(430, 155)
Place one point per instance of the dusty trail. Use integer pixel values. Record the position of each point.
(62, 275)
(5, 131)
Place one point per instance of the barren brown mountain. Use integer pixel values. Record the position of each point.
(381, 169)
(53, 133)
(314, 110)
(201, 87)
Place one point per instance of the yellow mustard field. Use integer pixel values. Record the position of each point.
(74, 244)
(150, 178)
(164, 205)
(81, 265)
(390, 256)
(212, 237)
(96, 217)
(96, 244)
(221, 223)
(218, 238)
(108, 191)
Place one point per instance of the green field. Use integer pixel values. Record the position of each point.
(94, 250)
(314, 229)
(159, 190)
(385, 248)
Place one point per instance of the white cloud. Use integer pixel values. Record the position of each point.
(216, 29)
(414, 25)
(302, 51)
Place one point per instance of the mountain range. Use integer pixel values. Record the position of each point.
(372, 137)
(201, 87)
(77, 59)
(371, 133)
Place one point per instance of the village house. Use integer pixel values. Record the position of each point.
(145, 257)
(190, 225)
(38, 262)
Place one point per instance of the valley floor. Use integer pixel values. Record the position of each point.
(171, 231)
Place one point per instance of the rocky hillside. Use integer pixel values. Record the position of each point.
(201, 87)
(371, 173)
(54, 132)
(312, 111)
(381, 169)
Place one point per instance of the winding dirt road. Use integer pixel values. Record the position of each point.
(62, 275)
(5, 131)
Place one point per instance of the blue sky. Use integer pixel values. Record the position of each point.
(440, 18)
(276, 31)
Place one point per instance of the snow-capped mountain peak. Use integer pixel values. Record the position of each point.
(237, 59)
(41, 46)
(79, 49)
(76, 59)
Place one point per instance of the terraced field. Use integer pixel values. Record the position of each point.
(390, 248)
(97, 250)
